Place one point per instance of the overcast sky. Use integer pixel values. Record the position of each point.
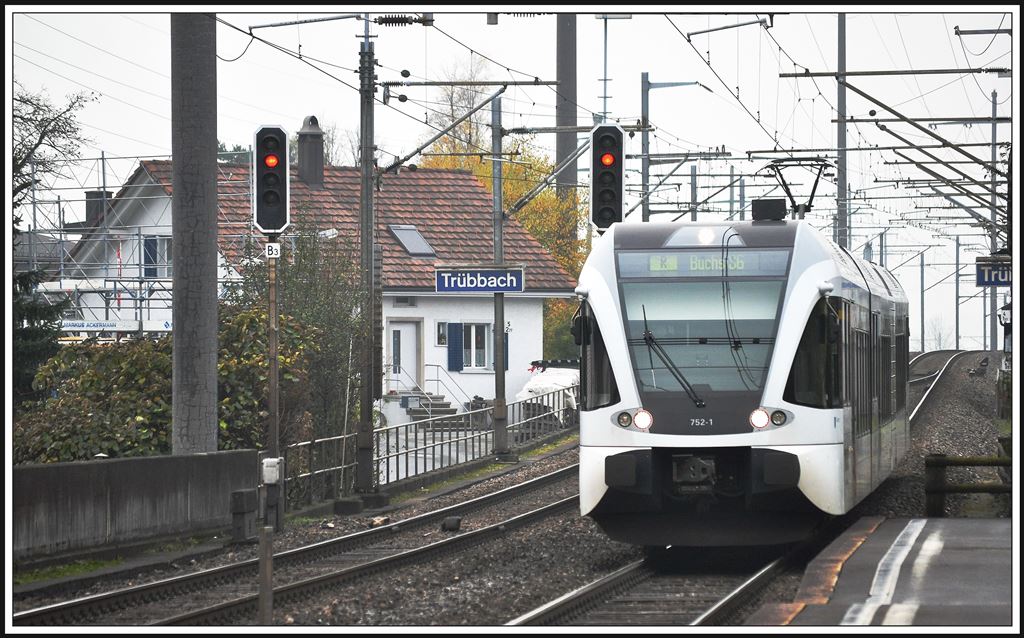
(125, 59)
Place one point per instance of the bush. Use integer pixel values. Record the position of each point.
(115, 398)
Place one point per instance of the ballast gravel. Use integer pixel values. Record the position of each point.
(495, 582)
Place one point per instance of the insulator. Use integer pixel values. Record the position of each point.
(393, 21)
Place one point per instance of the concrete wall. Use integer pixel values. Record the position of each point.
(64, 507)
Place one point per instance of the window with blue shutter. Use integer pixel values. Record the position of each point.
(454, 347)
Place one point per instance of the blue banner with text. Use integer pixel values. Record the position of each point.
(477, 281)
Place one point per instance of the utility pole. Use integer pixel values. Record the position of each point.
(693, 192)
(645, 148)
(604, 79)
(984, 324)
(501, 448)
(365, 474)
(194, 232)
(956, 285)
(922, 301)
(842, 234)
(565, 103)
(993, 298)
(732, 181)
(743, 198)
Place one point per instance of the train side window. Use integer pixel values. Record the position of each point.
(597, 382)
(814, 375)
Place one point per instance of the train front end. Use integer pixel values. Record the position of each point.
(685, 438)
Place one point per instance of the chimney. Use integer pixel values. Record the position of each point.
(311, 153)
(94, 206)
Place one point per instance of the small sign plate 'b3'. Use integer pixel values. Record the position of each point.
(273, 251)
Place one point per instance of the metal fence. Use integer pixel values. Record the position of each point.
(406, 450)
(324, 469)
(319, 470)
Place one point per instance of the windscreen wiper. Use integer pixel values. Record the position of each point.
(652, 344)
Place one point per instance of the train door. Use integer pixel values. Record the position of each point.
(877, 435)
(848, 354)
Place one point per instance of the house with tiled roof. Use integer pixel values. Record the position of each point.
(423, 219)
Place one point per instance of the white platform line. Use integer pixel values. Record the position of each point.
(886, 575)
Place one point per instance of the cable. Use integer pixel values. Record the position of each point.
(509, 68)
(134, 106)
(251, 40)
(96, 47)
(994, 36)
(305, 60)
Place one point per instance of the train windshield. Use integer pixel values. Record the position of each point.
(715, 315)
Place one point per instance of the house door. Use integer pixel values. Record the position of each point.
(403, 356)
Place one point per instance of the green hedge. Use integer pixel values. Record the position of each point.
(115, 398)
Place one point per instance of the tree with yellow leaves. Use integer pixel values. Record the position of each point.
(559, 224)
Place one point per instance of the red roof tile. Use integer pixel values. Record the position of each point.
(450, 208)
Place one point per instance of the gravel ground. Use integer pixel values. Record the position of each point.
(546, 560)
(500, 580)
(488, 585)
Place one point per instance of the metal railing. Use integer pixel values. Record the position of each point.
(424, 401)
(406, 450)
(439, 383)
(319, 470)
(936, 487)
(324, 469)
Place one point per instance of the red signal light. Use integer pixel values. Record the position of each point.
(607, 159)
(271, 161)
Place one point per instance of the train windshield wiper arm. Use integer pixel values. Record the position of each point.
(652, 344)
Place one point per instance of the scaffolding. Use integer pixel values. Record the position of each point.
(117, 276)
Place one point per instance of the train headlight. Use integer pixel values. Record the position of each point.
(625, 419)
(643, 419)
(779, 417)
(759, 418)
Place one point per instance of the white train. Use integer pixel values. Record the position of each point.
(738, 379)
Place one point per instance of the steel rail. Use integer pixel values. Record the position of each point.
(82, 608)
(938, 376)
(247, 605)
(742, 594)
(922, 356)
(582, 599)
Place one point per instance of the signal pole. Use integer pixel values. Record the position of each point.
(994, 298)
(365, 483)
(501, 449)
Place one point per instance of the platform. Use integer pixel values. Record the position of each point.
(921, 571)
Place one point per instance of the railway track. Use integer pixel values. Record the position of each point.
(638, 594)
(641, 593)
(243, 608)
(224, 592)
(933, 377)
(926, 366)
(228, 594)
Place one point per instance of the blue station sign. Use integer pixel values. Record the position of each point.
(991, 272)
(482, 280)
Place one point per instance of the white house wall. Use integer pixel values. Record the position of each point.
(524, 315)
(143, 211)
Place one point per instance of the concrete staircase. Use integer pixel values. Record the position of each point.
(430, 405)
(434, 406)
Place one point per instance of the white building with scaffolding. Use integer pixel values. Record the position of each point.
(117, 265)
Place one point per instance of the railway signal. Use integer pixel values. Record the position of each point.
(606, 173)
(270, 207)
